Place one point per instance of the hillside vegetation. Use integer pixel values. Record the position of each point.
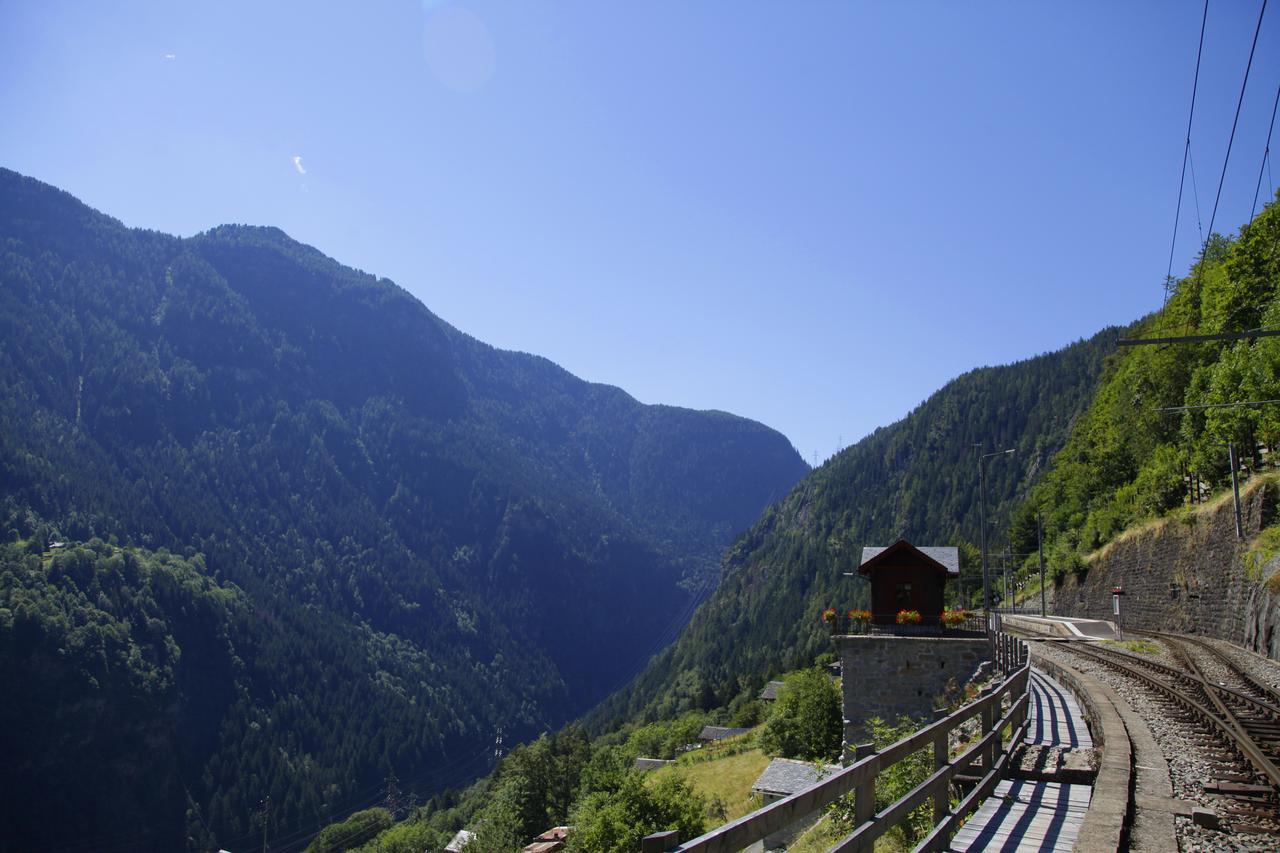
(916, 478)
(418, 541)
(1127, 460)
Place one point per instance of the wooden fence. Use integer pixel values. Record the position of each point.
(1002, 707)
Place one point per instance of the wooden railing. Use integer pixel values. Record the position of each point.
(1002, 707)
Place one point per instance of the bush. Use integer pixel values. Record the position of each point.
(806, 722)
(893, 784)
(352, 832)
(616, 822)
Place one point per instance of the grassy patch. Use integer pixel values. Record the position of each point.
(820, 837)
(1137, 647)
(725, 780)
(1264, 548)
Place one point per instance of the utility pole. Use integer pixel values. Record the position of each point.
(982, 500)
(1235, 488)
(266, 811)
(1007, 604)
(1040, 548)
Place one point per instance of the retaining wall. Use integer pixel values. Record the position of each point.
(1186, 574)
(888, 677)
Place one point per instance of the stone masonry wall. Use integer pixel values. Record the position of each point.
(1186, 575)
(888, 677)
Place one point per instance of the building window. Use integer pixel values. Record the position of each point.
(903, 596)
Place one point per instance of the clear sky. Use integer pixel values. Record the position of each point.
(809, 213)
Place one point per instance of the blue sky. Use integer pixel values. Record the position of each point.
(809, 213)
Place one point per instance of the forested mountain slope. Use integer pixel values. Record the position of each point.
(399, 519)
(1128, 456)
(916, 478)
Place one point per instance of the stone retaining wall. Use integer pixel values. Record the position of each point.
(1186, 574)
(888, 676)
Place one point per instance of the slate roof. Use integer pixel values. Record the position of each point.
(548, 842)
(786, 776)
(459, 841)
(770, 691)
(647, 764)
(947, 556)
(714, 733)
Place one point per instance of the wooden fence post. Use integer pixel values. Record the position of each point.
(941, 755)
(864, 795)
(988, 724)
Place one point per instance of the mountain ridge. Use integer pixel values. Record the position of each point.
(916, 478)
(451, 525)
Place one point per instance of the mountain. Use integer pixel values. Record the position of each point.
(1167, 412)
(327, 538)
(916, 478)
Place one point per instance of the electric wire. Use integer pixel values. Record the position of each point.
(1186, 153)
(1265, 166)
(1195, 192)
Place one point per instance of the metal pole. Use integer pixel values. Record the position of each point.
(982, 502)
(1040, 547)
(1235, 489)
(1004, 571)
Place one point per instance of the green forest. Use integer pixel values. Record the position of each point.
(332, 538)
(283, 544)
(916, 478)
(1165, 413)
(1092, 455)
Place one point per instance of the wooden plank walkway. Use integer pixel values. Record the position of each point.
(1056, 718)
(1040, 816)
(1026, 816)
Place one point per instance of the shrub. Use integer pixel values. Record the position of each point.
(806, 721)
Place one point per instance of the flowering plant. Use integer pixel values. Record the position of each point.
(860, 615)
(952, 618)
(909, 617)
(829, 615)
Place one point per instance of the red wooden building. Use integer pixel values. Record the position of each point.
(904, 577)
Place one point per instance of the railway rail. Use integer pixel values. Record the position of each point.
(1242, 726)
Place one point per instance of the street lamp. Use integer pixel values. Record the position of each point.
(982, 495)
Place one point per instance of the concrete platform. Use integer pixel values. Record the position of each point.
(1063, 626)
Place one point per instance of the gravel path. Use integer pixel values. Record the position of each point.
(1183, 748)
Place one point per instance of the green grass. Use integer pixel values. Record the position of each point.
(729, 779)
(820, 837)
(1137, 647)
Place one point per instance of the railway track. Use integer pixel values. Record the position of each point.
(1244, 682)
(1241, 727)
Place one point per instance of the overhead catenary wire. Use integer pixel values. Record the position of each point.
(1186, 154)
(1265, 166)
(1239, 103)
(1203, 406)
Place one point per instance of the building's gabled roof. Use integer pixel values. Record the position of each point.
(785, 776)
(946, 558)
(548, 842)
(644, 765)
(770, 691)
(459, 841)
(712, 733)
